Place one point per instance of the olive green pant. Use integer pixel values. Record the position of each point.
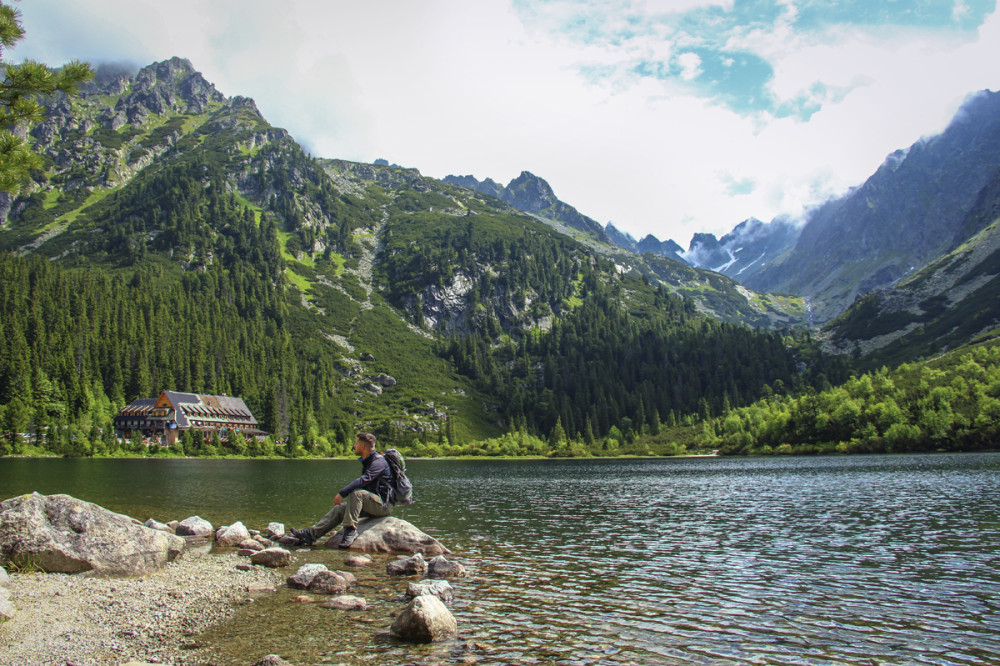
(357, 504)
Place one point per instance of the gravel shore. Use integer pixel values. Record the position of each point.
(86, 621)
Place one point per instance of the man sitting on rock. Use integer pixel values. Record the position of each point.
(366, 495)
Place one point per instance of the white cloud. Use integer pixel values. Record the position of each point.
(690, 64)
(679, 6)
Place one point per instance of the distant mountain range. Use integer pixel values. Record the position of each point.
(530, 194)
(920, 206)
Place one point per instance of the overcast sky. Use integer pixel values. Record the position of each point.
(667, 117)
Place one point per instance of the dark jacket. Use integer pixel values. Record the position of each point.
(375, 477)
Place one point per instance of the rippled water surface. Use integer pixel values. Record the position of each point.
(887, 559)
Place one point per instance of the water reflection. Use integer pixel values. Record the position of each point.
(692, 561)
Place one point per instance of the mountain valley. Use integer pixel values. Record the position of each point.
(176, 240)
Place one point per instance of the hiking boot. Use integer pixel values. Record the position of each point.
(304, 535)
(350, 534)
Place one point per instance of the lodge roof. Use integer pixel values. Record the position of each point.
(205, 408)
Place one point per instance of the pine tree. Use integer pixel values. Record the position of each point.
(19, 106)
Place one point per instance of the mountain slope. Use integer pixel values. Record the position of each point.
(949, 302)
(659, 262)
(911, 211)
(336, 296)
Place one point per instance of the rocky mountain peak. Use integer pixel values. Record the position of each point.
(170, 71)
(619, 237)
(162, 87)
(530, 193)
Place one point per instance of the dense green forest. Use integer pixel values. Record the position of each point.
(948, 404)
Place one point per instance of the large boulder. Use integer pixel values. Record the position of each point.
(425, 619)
(390, 535)
(59, 533)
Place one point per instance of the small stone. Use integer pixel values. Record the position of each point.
(346, 602)
(195, 526)
(251, 544)
(260, 588)
(276, 529)
(441, 589)
(304, 599)
(305, 575)
(410, 566)
(244, 567)
(272, 660)
(232, 535)
(158, 526)
(272, 557)
(348, 576)
(328, 582)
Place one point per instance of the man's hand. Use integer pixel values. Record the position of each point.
(337, 500)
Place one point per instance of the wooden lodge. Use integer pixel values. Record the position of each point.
(170, 414)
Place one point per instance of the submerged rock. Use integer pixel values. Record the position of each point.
(390, 535)
(59, 533)
(359, 561)
(439, 567)
(346, 602)
(425, 619)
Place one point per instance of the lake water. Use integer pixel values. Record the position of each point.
(847, 560)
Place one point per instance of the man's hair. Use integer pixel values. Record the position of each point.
(367, 438)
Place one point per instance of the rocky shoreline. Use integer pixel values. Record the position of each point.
(83, 620)
(90, 586)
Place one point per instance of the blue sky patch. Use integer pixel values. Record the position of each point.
(702, 58)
